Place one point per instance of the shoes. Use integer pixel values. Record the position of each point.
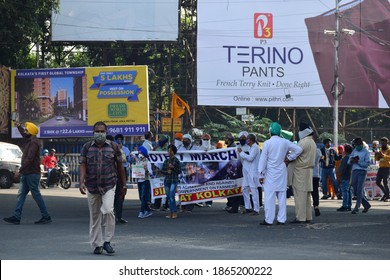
(325, 197)
(365, 210)
(12, 220)
(43, 221)
(280, 223)
(140, 215)
(383, 198)
(339, 197)
(172, 215)
(307, 221)
(254, 213)
(232, 211)
(355, 211)
(208, 205)
(163, 208)
(121, 221)
(247, 211)
(295, 221)
(98, 250)
(147, 214)
(342, 209)
(264, 223)
(107, 247)
(227, 208)
(317, 212)
(199, 204)
(349, 209)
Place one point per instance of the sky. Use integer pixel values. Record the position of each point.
(62, 83)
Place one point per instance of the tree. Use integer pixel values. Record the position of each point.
(23, 23)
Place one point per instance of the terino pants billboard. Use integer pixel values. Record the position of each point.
(67, 102)
(276, 53)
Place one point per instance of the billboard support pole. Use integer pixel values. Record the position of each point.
(336, 78)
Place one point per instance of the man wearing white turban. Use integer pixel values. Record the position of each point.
(302, 177)
(250, 162)
(272, 170)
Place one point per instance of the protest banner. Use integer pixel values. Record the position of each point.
(204, 176)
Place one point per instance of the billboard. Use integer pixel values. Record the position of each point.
(4, 99)
(67, 102)
(101, 20)
(275, 54)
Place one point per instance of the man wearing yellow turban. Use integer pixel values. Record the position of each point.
(30, 175)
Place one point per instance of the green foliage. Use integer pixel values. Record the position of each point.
(327, 135)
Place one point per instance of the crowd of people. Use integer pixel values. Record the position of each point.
(268, 172)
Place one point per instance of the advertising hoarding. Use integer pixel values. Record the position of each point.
(101, 20)
(274, 53)
(66, 102)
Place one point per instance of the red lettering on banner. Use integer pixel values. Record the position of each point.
(159, 191)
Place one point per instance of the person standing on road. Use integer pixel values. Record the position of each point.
(328, 158)
(120, 190)
(345, 176)
(302, 177)
(383, 157)
(100, 168)
(250, 163)
(316, 184)
(360, 160)
(272, 170)
(144, 184)
(171, 169)
(30, 172)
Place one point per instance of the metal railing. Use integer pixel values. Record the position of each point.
(72, 161)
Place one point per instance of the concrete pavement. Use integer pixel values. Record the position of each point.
(204, 234)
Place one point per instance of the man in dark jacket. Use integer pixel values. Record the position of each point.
(30, 175)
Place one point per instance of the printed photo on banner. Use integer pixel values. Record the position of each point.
(204, 176)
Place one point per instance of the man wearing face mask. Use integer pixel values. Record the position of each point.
(178, 140)
(235, 202)
(100, 169)
(30, 171)
(162, 143)
(250, 162)
(206, 143)
(327, 160)
(206, 146)
(360, 160)
(188, 144)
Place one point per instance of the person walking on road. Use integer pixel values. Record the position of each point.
(100, 168)
(30, 174)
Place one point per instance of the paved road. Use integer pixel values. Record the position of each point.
(204, 234)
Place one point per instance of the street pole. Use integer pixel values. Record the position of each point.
(336, 79)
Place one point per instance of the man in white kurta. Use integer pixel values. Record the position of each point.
(273, 173)
(250, 162)
(302, 177)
